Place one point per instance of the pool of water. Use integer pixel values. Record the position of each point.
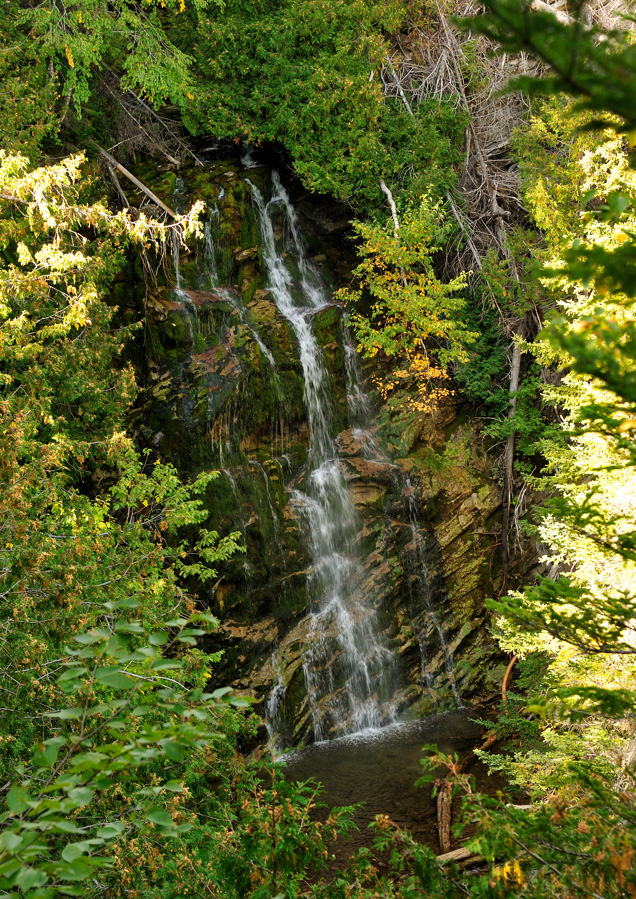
(378, 768)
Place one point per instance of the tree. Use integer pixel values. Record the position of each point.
(415, 318)
(580, 836)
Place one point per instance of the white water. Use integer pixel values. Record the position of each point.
(347, 666)
(348, 669)
(213, 284)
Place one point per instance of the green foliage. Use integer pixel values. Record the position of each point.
(550, 151)
(129, 711)
(480, 377)
(84, 36)
(415, 318)
(306, 74)
(124, 769)
(28, 94)
(578, 186)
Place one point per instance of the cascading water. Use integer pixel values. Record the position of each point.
(323, 580)
(348, 668)
(428, 616)
(212, 278)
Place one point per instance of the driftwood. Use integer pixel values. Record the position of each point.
(444, 795)
(457, 855)
(142, 187)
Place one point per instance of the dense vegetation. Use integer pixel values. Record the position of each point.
(120, 773)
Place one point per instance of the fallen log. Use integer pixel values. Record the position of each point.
(463, 857)
(455, 855)
(142, 187)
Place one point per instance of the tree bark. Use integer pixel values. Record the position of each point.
(117, 184)
(396, 222)
(504, 685)
(444, 799)
(509, 453)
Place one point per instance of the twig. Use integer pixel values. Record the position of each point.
(118, 187)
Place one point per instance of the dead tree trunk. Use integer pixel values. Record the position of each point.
(508, 470)
(142, 187)
(444, 801)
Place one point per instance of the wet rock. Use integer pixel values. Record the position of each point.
(243, 255)
(215, 400)
(365, 493)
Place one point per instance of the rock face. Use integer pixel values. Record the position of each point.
(225, 391)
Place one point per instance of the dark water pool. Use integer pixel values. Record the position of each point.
(379, 768)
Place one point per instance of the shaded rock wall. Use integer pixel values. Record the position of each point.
(224, 391)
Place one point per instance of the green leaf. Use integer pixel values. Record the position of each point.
(108, 831)
(46, 754)
(165, 665)
(111, 676)
(81, 795)
(91, 637)
(205, 616)
(129, 627)
(10, 841)
(220, 692)
(61, 826)
(17, 800)
(73, 851)
(79, 869)
(126, 603)
(72, 679)
(66, 714)
(29, 878)
(173, 751)
(160, 816)
(174, 786)
(159, 638)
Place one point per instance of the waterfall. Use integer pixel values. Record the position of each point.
(212, 277)
(418, 550)
(348, 668)
(324, 579)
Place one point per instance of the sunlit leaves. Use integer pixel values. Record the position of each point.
(415, 318)
(84, 36)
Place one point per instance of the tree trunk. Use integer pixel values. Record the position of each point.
(120, 168)
(444, 799)
(509, 454)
